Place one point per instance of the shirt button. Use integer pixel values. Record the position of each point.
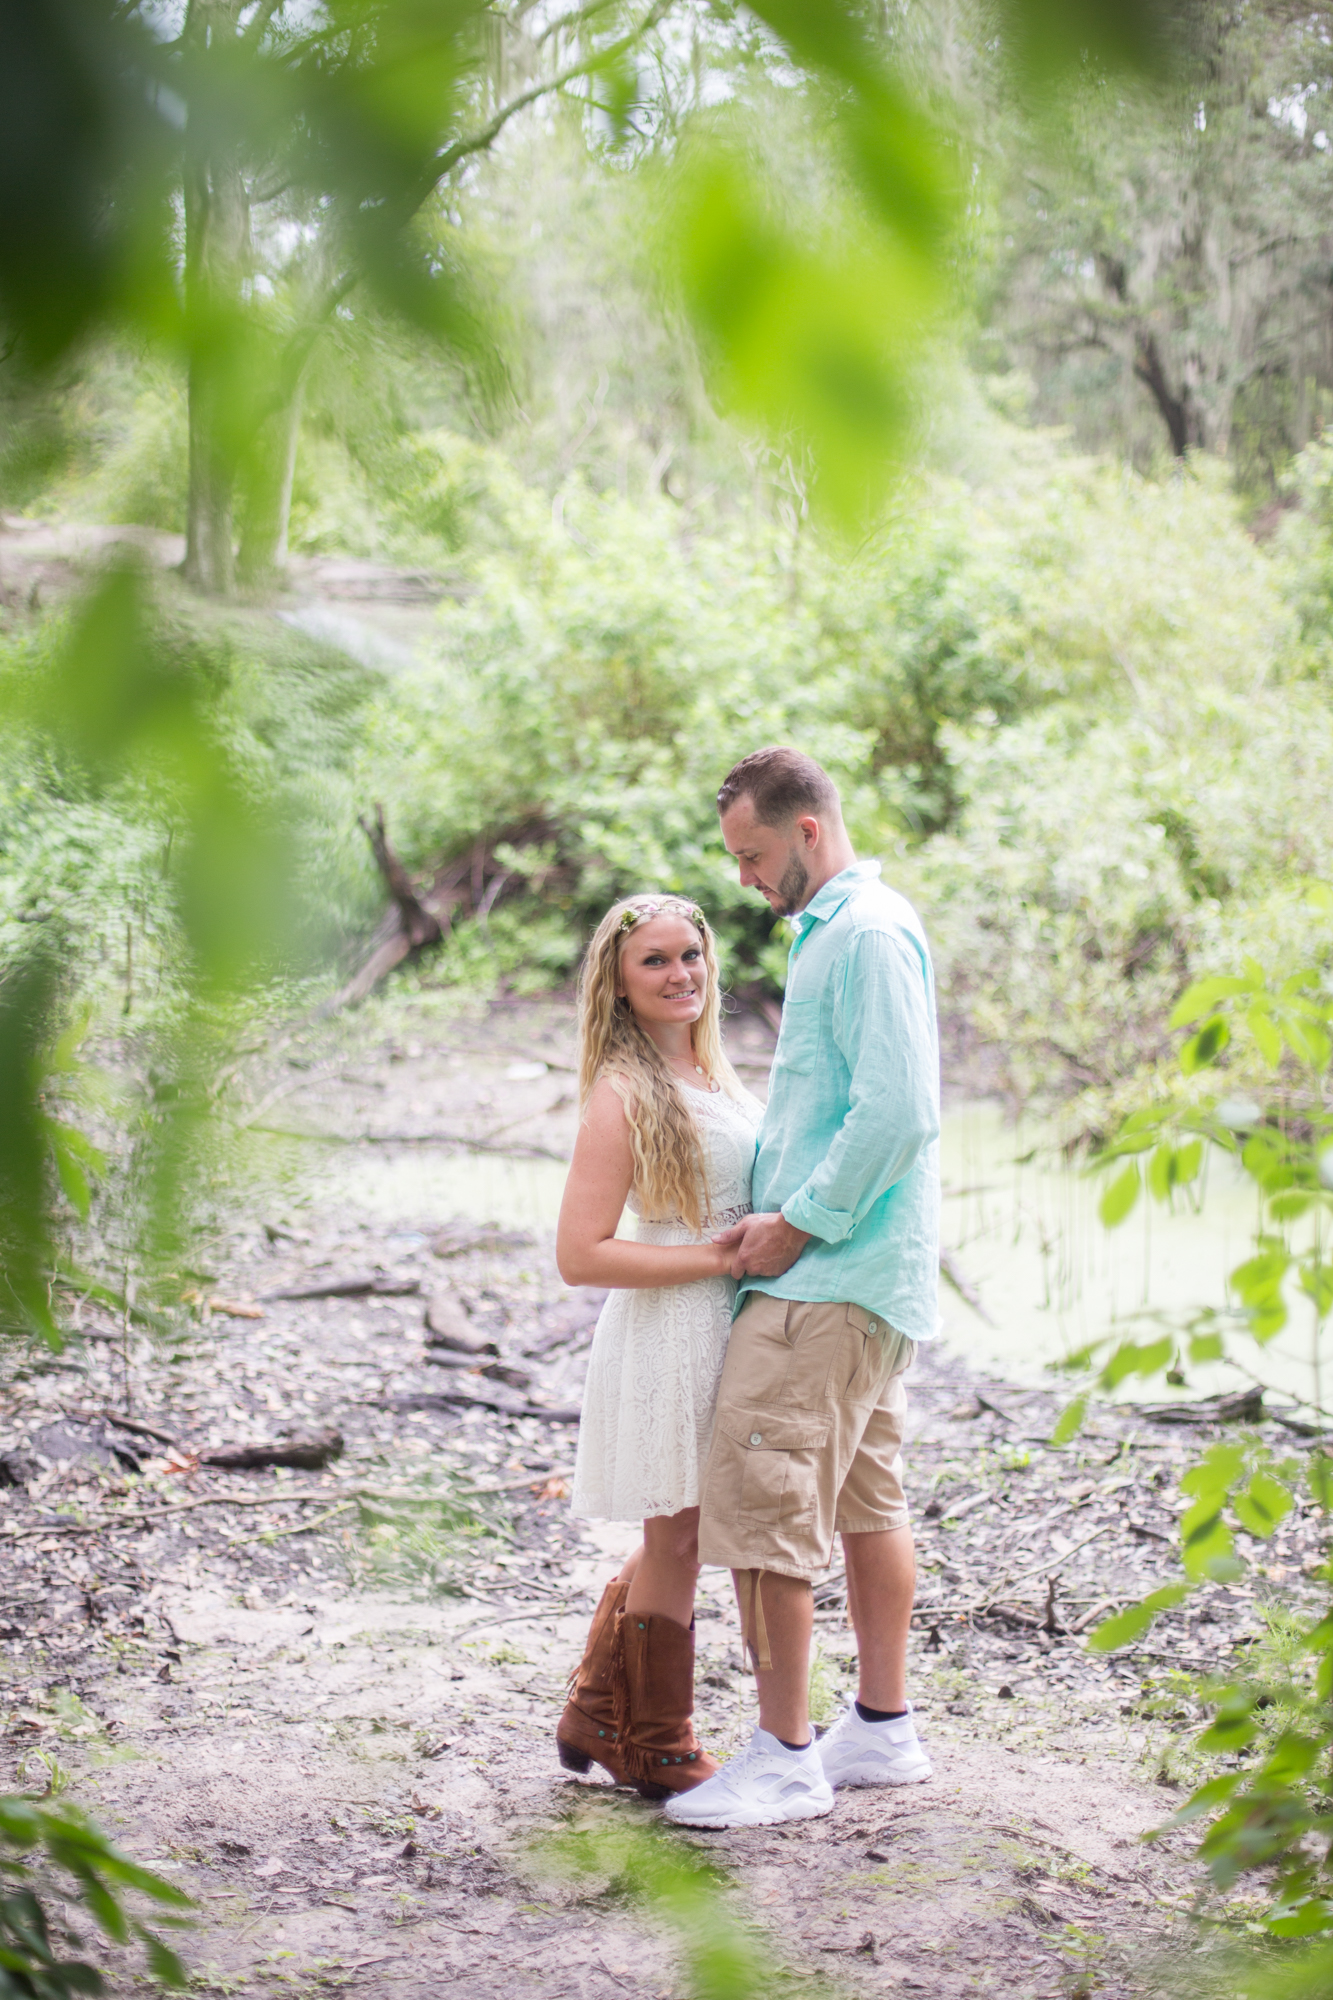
(873, 1326)
(756, 1437)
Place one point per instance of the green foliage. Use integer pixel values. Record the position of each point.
(45, 1848)
(430, 1539)
(722, 1958)
(1273, 1813)
(173, 848)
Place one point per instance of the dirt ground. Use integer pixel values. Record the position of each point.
(324, 1700)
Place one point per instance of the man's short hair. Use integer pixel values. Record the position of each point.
(781, 784)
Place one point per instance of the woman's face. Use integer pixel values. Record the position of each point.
(662, 972)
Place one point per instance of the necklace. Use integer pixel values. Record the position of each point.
(713, 1083)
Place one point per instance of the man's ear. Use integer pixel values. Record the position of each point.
(809, 830)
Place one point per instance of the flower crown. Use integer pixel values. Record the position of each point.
(674, 905)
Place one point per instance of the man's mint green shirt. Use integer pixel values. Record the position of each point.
(849, 1146)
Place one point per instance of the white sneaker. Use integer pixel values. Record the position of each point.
(872, 1753)
(766, 1784)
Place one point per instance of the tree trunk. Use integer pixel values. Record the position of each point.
(1177, 411)
(217, 245)
(263, 553)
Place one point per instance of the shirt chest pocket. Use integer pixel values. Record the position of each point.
(798, 1042)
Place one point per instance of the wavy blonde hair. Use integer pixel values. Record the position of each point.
(670, 1173)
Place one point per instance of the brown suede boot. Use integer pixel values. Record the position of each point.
(587, 1729)
(654, 1688)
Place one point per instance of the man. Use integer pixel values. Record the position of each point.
(839, 1270)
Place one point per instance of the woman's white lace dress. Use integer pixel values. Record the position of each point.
(657, 1354)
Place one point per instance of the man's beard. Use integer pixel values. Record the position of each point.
(791, 890)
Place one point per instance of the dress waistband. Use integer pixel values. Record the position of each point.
(678, 1231)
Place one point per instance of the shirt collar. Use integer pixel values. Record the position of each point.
(826, 902)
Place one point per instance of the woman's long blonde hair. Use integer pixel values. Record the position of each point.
(670, 1175)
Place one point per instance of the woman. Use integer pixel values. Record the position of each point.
(668, 1128)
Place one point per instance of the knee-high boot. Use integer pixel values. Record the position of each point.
(654, 1705)
(588, 1727)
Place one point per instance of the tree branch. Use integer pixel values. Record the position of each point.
(297, 351)
(253, 32)
(573, 20)
(478, 142)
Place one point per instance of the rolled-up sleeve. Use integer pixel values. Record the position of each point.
(883, 1025)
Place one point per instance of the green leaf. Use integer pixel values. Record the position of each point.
(1189, 1158)
(1264, 1503)
(1319, 1472)
(1205, 1539)
(1293, 1756)
(1228, 1732)
(1161, 1172)
(1202, 998)
(1268, 1320)
(163, 1962)
(1259, 1278)
(1070, 1421)
(1309, 1919)
(813, 332)
(1215, 1793)
(1206, 1347)
(1131, 1623)
(1317, 1283)
(105, 1909)
(1205, 1046)
(1306, 1040)
(1267, 1036)
(1287, 1207)
(1132, 1358)
(1119, 1198)
(74, 1183)
(1319, 896)
(1213, 1476)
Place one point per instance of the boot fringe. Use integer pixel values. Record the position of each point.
(620, 1695)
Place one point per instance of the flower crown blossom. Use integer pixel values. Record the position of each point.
(648, 909)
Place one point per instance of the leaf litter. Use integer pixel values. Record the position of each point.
(322, 1693)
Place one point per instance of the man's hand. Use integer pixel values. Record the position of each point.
(763, 1246)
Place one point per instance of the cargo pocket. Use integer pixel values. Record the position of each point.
(774, 1463)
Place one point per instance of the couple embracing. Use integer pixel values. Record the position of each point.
(745, 1396)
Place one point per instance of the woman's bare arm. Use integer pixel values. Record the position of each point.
(587, 1249)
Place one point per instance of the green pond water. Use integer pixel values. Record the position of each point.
(1020, 1225)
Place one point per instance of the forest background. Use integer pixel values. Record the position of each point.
(942, 389)
(1069, 664)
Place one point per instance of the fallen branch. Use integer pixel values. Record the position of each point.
(451, 1399)
(460, 1139)
(298, 1528)
(358, 1287)
(964, 1287)
(137, 1518)
(1242, 1406)
(310, 1454)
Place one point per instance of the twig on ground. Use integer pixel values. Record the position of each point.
(297, 1528)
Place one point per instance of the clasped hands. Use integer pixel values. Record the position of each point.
(762, 1246)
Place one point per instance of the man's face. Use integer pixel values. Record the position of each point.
(772, 859)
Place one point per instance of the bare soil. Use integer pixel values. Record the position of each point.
(330, 1714)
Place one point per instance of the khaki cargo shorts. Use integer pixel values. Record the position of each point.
(807, 1439)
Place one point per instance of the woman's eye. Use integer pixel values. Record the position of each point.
(691, 956)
